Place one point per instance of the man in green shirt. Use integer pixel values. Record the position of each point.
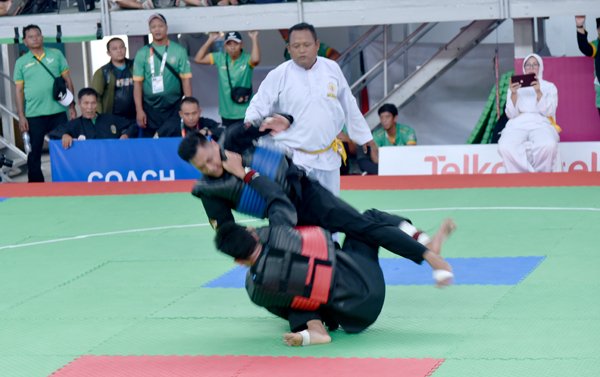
(161, 76)
(387, 133)
(39, 113)
(235, 68)
(590, 49)
(392, 133)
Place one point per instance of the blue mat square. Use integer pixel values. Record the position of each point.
(474, 271)
(467, 271)
(234, 278)
(2, 199)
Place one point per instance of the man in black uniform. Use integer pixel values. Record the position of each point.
(91, 125)
(226, 185)
(300, 275)
(189, 120)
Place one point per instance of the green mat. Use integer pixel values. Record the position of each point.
(123, 275)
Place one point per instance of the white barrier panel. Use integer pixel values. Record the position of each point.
(474, 159)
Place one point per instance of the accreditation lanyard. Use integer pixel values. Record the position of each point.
(158, 85)
(163, 62)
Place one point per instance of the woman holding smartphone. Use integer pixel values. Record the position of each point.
(529, 142)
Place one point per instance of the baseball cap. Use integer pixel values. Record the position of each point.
(159, 16)
(233, 36)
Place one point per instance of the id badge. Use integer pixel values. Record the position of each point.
(157, 85)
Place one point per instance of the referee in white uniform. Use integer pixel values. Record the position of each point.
(315, 92)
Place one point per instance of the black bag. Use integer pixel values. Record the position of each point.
(60, 92)
(59, 88)
(239, 94)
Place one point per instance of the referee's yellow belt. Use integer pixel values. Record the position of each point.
(336, 145)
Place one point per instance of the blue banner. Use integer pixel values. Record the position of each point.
(119, 161)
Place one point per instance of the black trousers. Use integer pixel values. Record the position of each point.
(359, 292)
(318, 206)
(38, 128)
(159, 121)
(228, 122)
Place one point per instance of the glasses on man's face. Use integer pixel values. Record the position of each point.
(531, 66)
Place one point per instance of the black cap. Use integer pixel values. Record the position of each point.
(233, 36)
(598, 23)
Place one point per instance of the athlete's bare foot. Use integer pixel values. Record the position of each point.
(446, 228)
(292, 339)
(316, 331)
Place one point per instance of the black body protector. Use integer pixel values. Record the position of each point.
(294, 270)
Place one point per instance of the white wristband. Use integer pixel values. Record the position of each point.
(305, 337)
(410, 229)
(407, 228)
(423, 239)
(441, 275)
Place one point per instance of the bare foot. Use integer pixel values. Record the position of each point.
(292, 339)
(317, 335)
(446, 228)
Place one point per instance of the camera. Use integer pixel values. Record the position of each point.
(5, 161)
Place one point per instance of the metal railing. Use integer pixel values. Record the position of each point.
(391, 57)
(19, 157)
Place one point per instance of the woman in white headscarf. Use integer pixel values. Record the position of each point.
(531, 112)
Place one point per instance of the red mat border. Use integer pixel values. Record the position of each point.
(243, 365)
(15, 190)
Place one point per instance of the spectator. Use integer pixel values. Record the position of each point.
(224, 2)
(4, 7)
(235, 68)
(392, 133)
(590, 49)
(91, 125)
(39, 109)
(387, 133)
(114, 82)
(324, 50)
(198, 3)
(16, 7)
(161, 75)
(531, 111)
(190, 120)
(315, 92)
(131, 4)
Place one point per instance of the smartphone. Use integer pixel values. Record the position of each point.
(525, 80)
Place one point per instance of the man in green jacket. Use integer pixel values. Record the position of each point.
(114, 82)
